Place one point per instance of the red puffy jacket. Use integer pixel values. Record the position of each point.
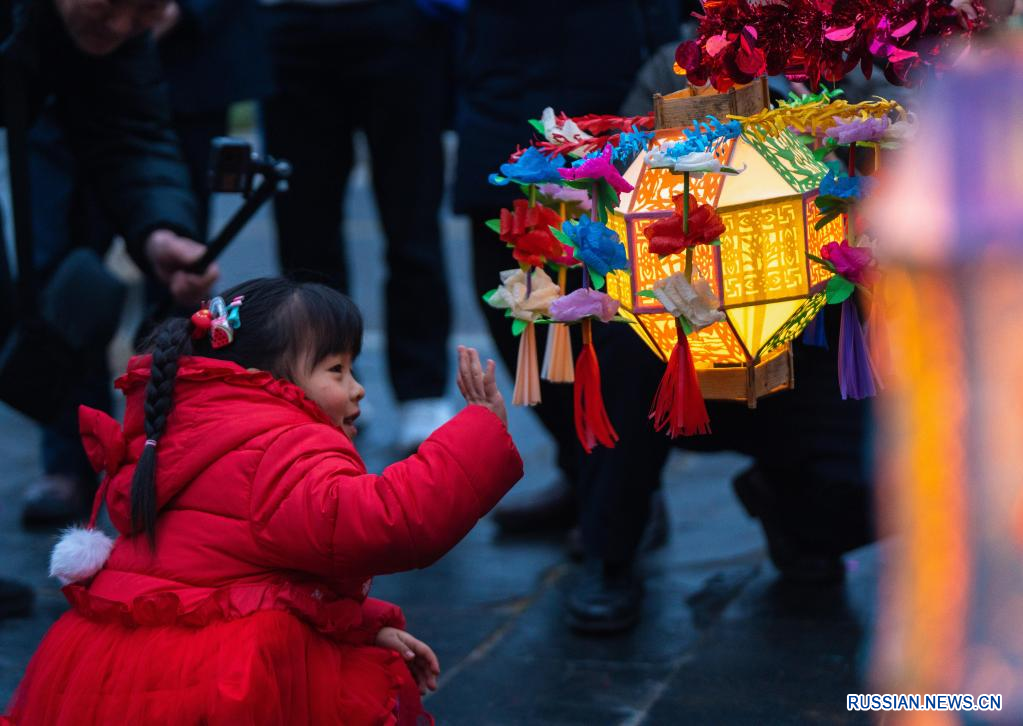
(265, 505)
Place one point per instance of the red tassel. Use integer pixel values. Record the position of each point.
(592, 425)
(679, 404)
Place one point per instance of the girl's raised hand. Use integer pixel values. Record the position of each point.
(477, 387)
(419, 657)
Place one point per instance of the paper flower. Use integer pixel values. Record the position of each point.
(530, 168)
(695, 302)
(596, 246)
(849, 131)
(855, 264)
(584, 303)
(846, 187)
(577, 200)
(527, 229)
(900, 131)
(598, 167)
(561, 130)
(511, 295)
(666, 236)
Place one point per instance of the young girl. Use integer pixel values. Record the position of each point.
(250, 530)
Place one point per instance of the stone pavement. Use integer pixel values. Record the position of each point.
(720, 642)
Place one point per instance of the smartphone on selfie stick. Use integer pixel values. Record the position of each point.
(234, 169)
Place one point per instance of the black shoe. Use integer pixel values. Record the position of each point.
(552, 509)
(605, 600)
(55, 500)
(15, 599)
(793, 560)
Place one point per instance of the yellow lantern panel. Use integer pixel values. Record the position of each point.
(758, 182)
(648, 268)
(833, 231)
(755, 324)
(763, 252)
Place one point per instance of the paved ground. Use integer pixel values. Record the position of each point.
(721, 641)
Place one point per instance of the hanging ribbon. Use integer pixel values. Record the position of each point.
(679, 404)
(815, 334)
(527, 375)
(592, 425)
(856, 376)
(557, 358)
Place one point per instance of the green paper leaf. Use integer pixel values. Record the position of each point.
(838, 290)
(608, 199)
(518, 326)
(494, 224)
(648, 293)
(537, 125)
(598, 281)
(687, 327)
(806, 139)
(826, 220)
(716, 243)
(821, 261)
(489, 294)
(561, 236)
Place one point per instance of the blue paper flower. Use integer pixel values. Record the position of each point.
(530, 168)
(596, 246)
(846, 187)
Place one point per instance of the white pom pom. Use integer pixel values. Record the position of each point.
(79, 554)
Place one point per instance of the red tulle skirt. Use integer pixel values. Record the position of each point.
(267, 668)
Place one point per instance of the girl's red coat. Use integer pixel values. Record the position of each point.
(266, 507)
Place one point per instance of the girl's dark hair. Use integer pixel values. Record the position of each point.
(287, 327)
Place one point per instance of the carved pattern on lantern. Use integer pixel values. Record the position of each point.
(762, 252)
(711, 346)
(795, 325)
(793, 160)
(656, 187)
(833, 231)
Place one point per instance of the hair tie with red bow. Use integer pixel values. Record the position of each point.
(218, 320)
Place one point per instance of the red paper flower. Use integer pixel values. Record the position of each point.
(666, 236)
(527, 229)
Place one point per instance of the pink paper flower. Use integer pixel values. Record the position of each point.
(598, 167)
(584, 303)
(853, 263)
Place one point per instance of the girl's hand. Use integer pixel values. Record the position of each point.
(419, 657)
(477, 387)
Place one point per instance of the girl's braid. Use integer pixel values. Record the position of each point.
(168, 344)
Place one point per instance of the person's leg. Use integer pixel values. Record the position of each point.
(404, 130)
(616, 485)
(308, 122)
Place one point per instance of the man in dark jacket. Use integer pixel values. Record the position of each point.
(94, 61)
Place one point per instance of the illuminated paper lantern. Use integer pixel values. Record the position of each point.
(761, 273)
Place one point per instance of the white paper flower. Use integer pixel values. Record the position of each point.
(696, 302)
(511, 295)
(561, 131)
(900, 132)
(697, 163)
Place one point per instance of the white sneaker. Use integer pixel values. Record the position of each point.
(419, 418)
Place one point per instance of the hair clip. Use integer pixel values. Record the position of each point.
(219, 320)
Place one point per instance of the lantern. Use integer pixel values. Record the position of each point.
(767, 284)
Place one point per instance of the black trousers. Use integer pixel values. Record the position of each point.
(378, 67)
(809, 442)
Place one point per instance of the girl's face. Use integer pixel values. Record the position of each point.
(333, 387)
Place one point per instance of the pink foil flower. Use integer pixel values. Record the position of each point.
(598, 167)
(852, 263)
(584, 303)
(849, 131)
